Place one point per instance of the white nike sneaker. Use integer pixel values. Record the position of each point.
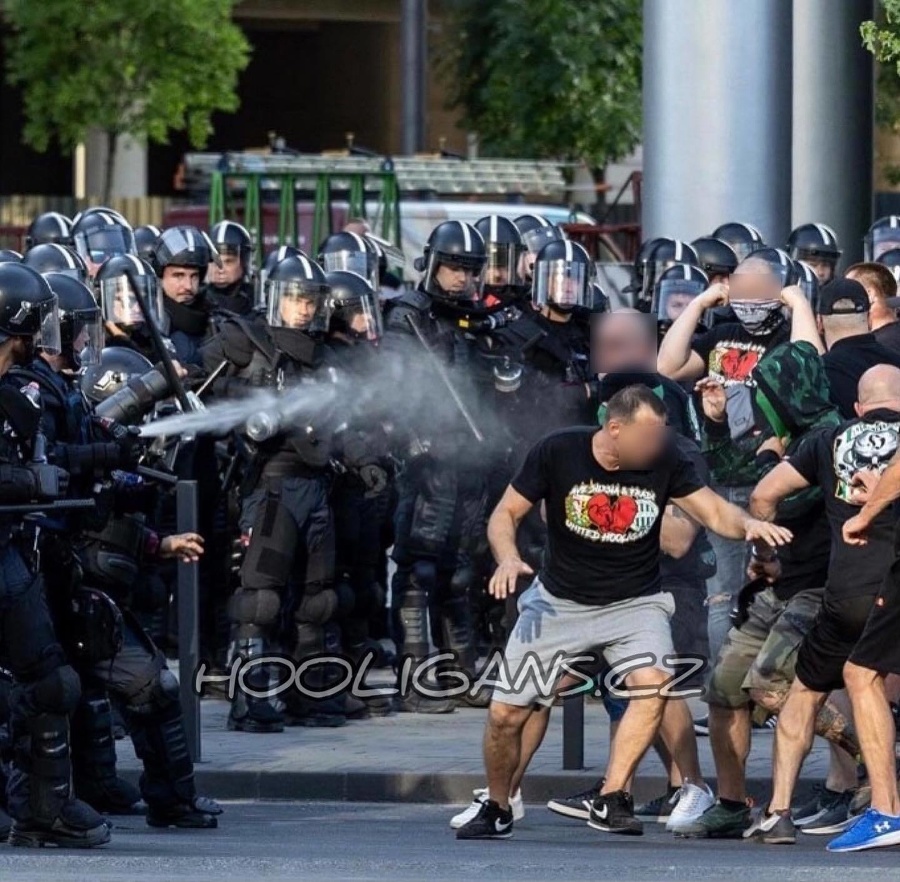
(480, 798)
(693, 801)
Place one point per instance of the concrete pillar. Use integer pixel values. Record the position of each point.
(833, 120)
(414, 76)
(717, 116)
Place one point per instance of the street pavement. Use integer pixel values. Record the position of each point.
(418, 758)
(362, 841)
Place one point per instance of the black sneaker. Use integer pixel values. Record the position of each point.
(834, 819)
(491, 822)
(815, 807)
(701, 726)
(578, 805)
(776, 828)
(660, 808)
(614, 813)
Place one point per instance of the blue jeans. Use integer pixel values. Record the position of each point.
(732, 558)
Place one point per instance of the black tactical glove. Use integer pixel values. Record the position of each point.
(50, 481)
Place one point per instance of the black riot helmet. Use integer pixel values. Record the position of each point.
(599, 301)
(116, 280)
(349, 252)
(891, 259)
(115, 367)
(49, 227)
(102, 209)
(883, 235)
(355, 311)
(562, 274)
(7, 255)
(643, 255)
(229, 237)
(297, 295)
(145, 241)
(272, 258)
(28, 307)
(99, 235)
(675, 289)
(536, 231)
(743, 238)
(664, 254)
(780, 263)
(52, 258)
(716, 256)
(80, 321)
(505, 248)
(816, 244)
(808, 282)
(459, 248)
(183, 246)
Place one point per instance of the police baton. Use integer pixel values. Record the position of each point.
(41, 507)
(445, 379)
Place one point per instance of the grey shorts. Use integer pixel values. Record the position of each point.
(553, 636)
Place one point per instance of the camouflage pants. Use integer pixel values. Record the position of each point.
(762, 653)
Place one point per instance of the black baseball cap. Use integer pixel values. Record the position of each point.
(843, 297)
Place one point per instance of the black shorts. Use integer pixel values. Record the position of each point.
(830, 642)
(879, 646)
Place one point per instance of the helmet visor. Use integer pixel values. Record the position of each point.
(537, 238)
(360, 317)
(561, 284)
(44, 318)
(87, 335)
(119, 301)
(673, 295)
(501, 270)
(884, 239)
(358, 262)
(298, 305)
(98, 245)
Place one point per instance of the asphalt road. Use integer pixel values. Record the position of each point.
(313, 841)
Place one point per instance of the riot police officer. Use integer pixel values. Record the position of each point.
(505, 250)
(442, 496)
(229, 283)
(145, 237)
(717, 258)
(817, 246)
(49, 227)
(286, 518)
(99, 234)
(742, 237)
(349, 252)
(51, 257)
(46, 689)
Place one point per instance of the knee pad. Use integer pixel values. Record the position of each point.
(318, 607)
(255, 607)
(154, 691)
(58, 692)
(461, 581)
(423, 576)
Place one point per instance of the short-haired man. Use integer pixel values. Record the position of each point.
(604, 492)
(881, 286)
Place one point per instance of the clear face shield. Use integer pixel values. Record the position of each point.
(359, 317)
(653, 270)
(534, 240)
(360, 262)
(456, 279)
(672, 296)
(501, 270)
(884, 239)
(560, 284)
(42, 320)
(98, 245)
(87, 336)
(120, 306)
(299, 306)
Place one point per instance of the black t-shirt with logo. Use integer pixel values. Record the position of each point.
(830, 458)
(602, 526)
(731, 353)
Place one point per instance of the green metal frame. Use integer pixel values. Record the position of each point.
(220, 205)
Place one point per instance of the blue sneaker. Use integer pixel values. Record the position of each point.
(871, 830)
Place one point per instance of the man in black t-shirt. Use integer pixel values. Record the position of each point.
(603, 492)
(845, 639)
(852, 349)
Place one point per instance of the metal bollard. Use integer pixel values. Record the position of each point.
(188, 619)
(573, 732)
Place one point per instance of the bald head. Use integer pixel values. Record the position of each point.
(879, 387)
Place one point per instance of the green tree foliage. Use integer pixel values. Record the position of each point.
(546, 78)
(142, 68)
(882, 38)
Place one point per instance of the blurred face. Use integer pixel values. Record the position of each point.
(297, 311)
(754, 280)
(454, 279)
(623, 341)
(126, 309)
(564, 290)
(230, 273)
(498, 276)
(526, 265)
(181, 283)
(640, 441)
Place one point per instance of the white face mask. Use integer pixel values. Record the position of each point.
(758, 316)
